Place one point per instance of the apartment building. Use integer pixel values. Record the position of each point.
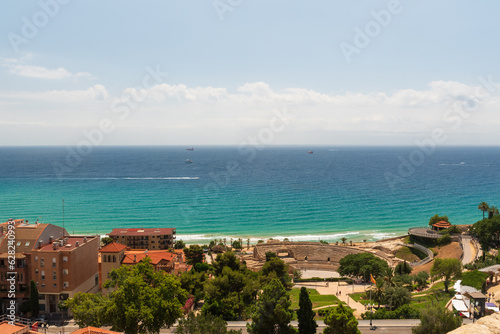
(60, 265)
(113, 255)
(144, 238)
(64, 267)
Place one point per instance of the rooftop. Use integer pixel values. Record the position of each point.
(141, 231)
(94, 330)
(69, 245)
(442, 223)
(156, 257)
(113, 247)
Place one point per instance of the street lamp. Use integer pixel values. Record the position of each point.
(371, 306)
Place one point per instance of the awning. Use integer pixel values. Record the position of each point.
(459, 305)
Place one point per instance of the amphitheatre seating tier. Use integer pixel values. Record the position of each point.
(312, 252)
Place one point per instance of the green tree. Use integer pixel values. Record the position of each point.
(34, 302)
(437, 321)
(106, 240)
(194, 282)
(397, 296)
(388, 273)
(88, 309)
(403, 268)
(272, 312)
(179, 244)
(378, 291)
(344, 239)
(362, 264)
(144, 300)
(421, 279)
(270, 255)
(203, 324)
(228, 259)
(305, 314)
(194, 254)
(487, 232)
(483, 206)
(277, 268)
(447, 268)
(436, 218)
(237, 244)
(341, 321)
(492, 211)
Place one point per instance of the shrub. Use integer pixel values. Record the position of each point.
(475, 279)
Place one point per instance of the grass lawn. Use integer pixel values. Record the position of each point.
(433, 296)
(360, 298)
(317, 300)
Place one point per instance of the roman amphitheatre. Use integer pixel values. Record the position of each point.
(326, 257)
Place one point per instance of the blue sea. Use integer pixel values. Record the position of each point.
(249, 192)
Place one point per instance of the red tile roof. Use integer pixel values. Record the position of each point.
(442, 223)
(94, 330)
(141, 231)
(155, 256)
(113, 247)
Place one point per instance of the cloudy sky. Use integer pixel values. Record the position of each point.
(219, 72)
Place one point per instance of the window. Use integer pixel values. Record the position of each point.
(55, 285)
(36, 258)
(18, 243)
(65, 284)
(104, 258)
(36, 271)
(65, 271)
(54, 275)
(54, 262)
(114, 258)
(43, 285)
(65, 259)
(43, 274)
(42, 262)
(27, 243)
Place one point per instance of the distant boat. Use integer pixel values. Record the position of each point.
(310, 152)
(189, 161)
(190, 148)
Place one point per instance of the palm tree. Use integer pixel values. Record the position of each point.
(483, 206)
(343, 240)
(492, 211)
(248, 243)
(378, 291)
(389, 276)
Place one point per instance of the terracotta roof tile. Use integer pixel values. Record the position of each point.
(113, 247)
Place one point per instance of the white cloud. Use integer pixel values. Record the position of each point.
(214, 115)
(16, 67)
(60, 97)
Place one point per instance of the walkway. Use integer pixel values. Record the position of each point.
(342, 290)
(468, 248)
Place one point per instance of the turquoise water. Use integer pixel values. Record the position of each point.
(358, 192)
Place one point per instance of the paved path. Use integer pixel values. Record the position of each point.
(343, 290)
(469, 250)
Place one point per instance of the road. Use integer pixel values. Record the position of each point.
(383, 326)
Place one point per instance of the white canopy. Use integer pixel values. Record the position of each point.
(459, 305)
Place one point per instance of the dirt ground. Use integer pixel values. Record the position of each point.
(452, 251)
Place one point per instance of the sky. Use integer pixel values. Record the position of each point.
(233, 72)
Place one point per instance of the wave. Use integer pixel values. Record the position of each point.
(459, 164)
(137, 178)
